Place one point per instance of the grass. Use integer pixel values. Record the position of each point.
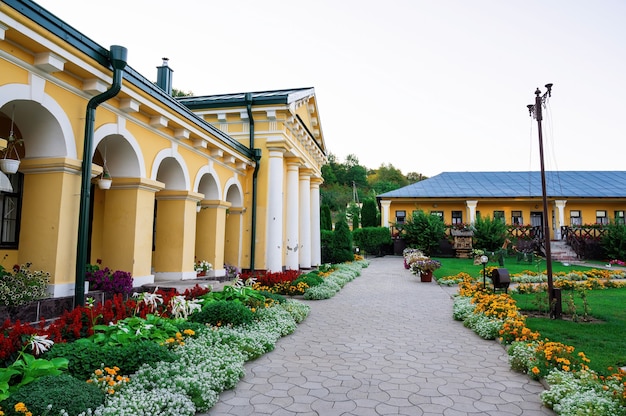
(602, 342)
(453, 266)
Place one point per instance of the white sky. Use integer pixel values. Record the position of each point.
(426, 85)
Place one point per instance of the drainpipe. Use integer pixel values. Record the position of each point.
(117, 56)
(257, 159)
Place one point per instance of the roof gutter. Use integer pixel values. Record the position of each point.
(117, 57)
(257, 160)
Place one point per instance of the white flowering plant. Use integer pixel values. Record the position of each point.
(203, 266)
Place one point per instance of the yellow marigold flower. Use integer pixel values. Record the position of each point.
(110, 391)
(169, 340)
(189, 332)
(535, 370)
(111, 383)
(20, 407)
(565, 368)
(98, 372)
(116, 368)
(28, 414)
(110, 371)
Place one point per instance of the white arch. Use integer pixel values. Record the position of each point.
(208, 170)
(237, 202)
(34, 93)
(171, 153)
(126, 166)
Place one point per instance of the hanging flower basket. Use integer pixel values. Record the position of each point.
(104, 183)
(9, 165)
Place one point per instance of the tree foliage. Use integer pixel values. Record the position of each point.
(423, 231)
(489, 234)
(369, 213)
(326, 221)
(614, 241)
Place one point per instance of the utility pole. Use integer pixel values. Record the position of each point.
(535, 110)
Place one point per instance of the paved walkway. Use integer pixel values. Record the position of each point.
(386, 344)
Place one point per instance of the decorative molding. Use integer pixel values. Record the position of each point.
(128, 105)
(217, 152)
(181, 134)
(243, 115)
(94, 86)
(3, 29)
(271, 114)
(221, 117)
(199, 143)
(158, 121)
(49, 62)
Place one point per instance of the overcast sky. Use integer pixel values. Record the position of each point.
(427, 86)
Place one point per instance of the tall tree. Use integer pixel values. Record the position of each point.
(369, 213)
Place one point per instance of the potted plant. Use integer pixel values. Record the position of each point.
(424, 266)
(202, 267)
(104, 182)
(8, 165)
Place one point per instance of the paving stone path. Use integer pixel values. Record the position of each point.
(386, 344)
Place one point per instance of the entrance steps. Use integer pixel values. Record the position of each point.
(561, 251)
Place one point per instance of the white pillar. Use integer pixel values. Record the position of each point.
(385, 217)
(274, 248)
(472, 210)
(292, 243)
(316, 242)
(560, 206)
(305, 219)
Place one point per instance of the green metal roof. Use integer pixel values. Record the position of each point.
(287, 96)
(567, 184)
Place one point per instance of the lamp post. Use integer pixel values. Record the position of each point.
(535, 110)
(484, 260)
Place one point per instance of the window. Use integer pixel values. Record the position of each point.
(575, 219)
(619, 217)
(437, 214)
(457, 217)
(400, 217)
(499, 215)
(516, 218)
(601, 217)
(10, 209)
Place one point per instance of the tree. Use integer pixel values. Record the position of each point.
(489, 234)
(326, 221)
(181, 93)
(369, 213)
(614, 241)
(413, 177)
(424, 231)
(342, 242)
(353, 213)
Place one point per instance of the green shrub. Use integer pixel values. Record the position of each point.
(489, 234)
(342, 243)
(63, 392)
(85, 357)
(614, 241)
(223, 312)
(372, 240)
(310, 279)
(327, 245)
(424, 231)
(369, 214)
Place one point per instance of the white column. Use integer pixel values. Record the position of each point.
(560, 206)
(292, 244)
(274, 249)
(472, 210)
(385, 217)
(316, 243)
(305, 220)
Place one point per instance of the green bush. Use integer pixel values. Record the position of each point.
(424, 231)
(326, 221)
(372, 240)
(614, 241)
(85, 357)
(489, 234)
(223, 312)
(327, 245)
(342, 243)
(63, 392)
(369, 214)
(310, 279)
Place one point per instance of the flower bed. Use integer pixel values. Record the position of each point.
(574, 388)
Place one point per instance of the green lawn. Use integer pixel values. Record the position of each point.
(453, 266)
(602, 341)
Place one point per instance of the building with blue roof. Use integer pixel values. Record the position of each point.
(574, 198)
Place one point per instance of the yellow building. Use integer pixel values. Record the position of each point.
(575, 198)
(227, 179)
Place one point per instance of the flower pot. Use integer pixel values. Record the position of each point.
(9, 165)
(426, 276)
(201, 273)
(104, 183)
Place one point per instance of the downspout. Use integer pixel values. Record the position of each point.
(257, 160)
(117, 57)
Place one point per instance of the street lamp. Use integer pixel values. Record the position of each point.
(484, 260)
(535, 110)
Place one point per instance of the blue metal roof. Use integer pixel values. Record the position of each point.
(260, 97)
(567, 184)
